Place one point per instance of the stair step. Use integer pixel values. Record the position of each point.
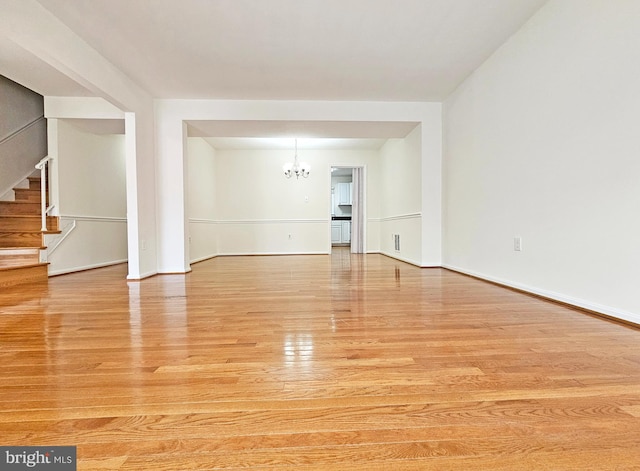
(27, 194)
(19, 222)
(21, 236)
(34, 183)
(9, 208)
(19, 256)
(21, 239)
(11, 276)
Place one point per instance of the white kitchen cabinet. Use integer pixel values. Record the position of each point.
(340, 232)
(346, 232)
(344, 193)
(336, 232)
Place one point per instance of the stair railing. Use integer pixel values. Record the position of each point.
(45, 171)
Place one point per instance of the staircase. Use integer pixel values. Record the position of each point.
(22, 238)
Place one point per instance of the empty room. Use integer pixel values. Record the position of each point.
(320, 234)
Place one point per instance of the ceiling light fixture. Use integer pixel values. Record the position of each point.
(297, 168)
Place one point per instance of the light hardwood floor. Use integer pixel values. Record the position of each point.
(342, 362)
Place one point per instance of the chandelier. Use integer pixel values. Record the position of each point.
(296, 168)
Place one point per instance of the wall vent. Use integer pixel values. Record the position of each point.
(396, 242)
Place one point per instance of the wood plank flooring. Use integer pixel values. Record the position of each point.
(342, 362)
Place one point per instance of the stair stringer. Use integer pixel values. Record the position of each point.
(53, 241)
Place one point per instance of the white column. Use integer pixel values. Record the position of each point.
(133, 240)
(171, 150)
(432, 186)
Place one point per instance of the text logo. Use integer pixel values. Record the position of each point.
(38, 458)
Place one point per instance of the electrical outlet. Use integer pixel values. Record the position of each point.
(517, 244)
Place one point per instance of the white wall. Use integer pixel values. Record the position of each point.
(542, 143)
(261, 211)
(401, 197)
(171, 116)
(91, 171)
(91, 192)
(203, 234)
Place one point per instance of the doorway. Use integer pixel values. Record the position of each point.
(347, 208)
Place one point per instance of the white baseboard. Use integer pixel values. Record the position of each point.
(202, 259)
(65, 271)
(402, 259)
(579, 303)
(142, 276)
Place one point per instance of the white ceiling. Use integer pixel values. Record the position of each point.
(311, 129)
(373, 50)
(288, 143)
(98, 126)
(312, 134)
(23, 67)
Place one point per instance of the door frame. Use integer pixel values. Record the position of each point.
(362, 205)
